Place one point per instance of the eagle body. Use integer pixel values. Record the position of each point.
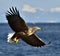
(22, 31)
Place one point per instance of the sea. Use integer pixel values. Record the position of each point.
(50, 32)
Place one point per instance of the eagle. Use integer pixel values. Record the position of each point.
(21, 30)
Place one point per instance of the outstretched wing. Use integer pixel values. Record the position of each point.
(15, 21)
(33, 40)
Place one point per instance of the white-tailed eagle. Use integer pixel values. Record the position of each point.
(22, 31)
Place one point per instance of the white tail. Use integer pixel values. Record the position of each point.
(9, 37)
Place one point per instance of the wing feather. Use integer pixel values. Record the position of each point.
(33, 40)
(15, 21)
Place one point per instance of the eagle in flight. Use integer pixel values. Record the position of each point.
(22, 31)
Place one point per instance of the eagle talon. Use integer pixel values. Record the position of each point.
(15, 40)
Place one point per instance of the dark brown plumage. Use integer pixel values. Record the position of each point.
(15, 21)
(22, 31)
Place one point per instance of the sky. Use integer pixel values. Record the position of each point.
(33, 10)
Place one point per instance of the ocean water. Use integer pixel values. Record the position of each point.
(48, 32)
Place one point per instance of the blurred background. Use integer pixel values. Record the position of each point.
(33, 11)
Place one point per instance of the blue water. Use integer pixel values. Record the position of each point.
(48, 32)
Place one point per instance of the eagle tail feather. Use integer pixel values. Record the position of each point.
(9, 37)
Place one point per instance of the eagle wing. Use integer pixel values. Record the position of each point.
(15, 21)
(33, 40)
